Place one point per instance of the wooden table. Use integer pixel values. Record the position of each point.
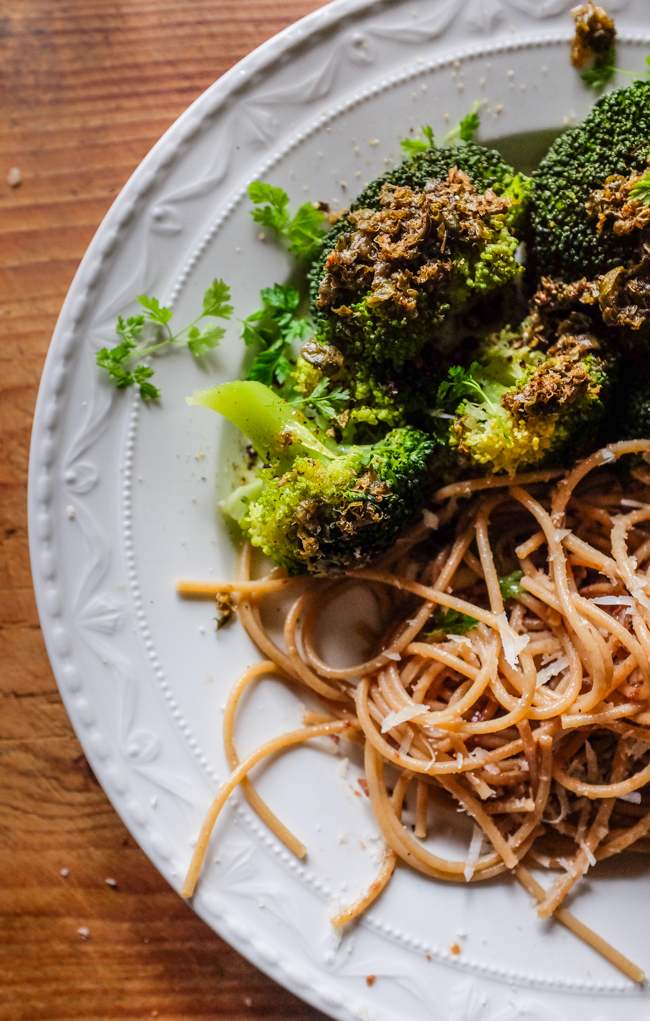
(88, 86)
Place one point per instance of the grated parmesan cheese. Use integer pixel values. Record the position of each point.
(402, 716)
(568, 865)
(430, 519)
(561, 533)
(473, 852)
(614, 601)
(512, 643)
(588, 852)
(633, 797)
(641, 597)
(458, 639)
(552, 670)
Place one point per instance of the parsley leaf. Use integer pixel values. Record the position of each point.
(451, 622)
(411, 146)
(461, 385)
(641, 189)
(298, 329)
(263, 369)
(113, 360)
(215, 299)
(468, 126)
(509, 585)
(602, 72)
(129, 329)
(330, 405)
(285, 298)
(274, 214)
(259, 328)
(273, 328)
(148, 391)
(200, 341)
(281, 369)
(154, 311)
(116, 361)
(303, 231)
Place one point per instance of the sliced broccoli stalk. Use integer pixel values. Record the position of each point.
(236, 505)
(277, 431)
(321, 508)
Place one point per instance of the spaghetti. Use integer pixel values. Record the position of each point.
(534, 721)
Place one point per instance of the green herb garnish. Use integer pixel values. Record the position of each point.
(510, 587)
(273, 328)
(451, 622)
(330, 405)
(462, 385)
(641, 190)
(469, 125)
(411, 146)
(603, 70)
(117, 360)
(303, 231)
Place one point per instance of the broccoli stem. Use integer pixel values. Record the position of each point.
(277, 430)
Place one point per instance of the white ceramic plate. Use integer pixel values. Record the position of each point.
(123, 502)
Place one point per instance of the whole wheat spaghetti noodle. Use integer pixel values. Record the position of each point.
(529, 714)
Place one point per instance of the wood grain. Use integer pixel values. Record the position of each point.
(87, 87)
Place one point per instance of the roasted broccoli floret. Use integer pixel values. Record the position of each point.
(420, 242)
(371, 404)
(316, 506)
(519, 405)
(380, 396)
(587, 211)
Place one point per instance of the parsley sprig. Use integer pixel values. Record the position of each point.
(273, 328)
(463, 384)
(117, 361)
(603, 70)
(467, 128)
(509, 585)
(411, 146)
(329, 405)
(450, 622)
(303, 231)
